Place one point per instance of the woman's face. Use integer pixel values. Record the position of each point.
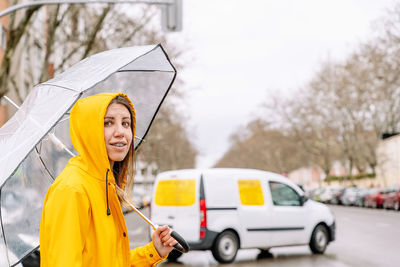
(117, 132)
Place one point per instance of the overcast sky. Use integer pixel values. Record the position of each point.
(241, 51)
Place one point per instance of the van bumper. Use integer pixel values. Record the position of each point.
(205, 243)
(332, 231)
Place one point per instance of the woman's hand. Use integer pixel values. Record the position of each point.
(163, 241)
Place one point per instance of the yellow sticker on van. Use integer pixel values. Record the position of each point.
(250, 192)
(178, 192)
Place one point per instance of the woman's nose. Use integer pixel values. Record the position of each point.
(119, 130)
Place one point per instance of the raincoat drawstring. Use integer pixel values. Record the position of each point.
(108, 207)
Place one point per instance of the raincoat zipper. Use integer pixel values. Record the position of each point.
(108, 207)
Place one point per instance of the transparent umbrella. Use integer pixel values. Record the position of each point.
(35, 144)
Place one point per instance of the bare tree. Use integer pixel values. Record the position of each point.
(167, 144)
(339, 115)
(261, 147)
(17, 29)
(305, 116)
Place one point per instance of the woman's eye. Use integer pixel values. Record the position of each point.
(126, 124)
(107, 123)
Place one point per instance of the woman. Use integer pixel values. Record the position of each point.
(82, 222)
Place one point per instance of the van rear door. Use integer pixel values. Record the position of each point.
(175, 202)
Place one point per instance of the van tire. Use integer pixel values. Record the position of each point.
(264, 254)
(225, 247)
(319, 239)
(174, 255)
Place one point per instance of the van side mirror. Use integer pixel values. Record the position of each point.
(303, 199)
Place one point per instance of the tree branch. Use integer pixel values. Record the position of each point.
(97, 28)
(13, 41)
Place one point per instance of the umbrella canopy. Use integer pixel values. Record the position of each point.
(31, 156)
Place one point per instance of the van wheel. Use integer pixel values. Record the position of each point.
(264, 254)
(174, 255)
(319, 239)
(225, 247)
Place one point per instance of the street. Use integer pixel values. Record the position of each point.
(364, 237)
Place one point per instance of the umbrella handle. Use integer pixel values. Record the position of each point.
(182, 245)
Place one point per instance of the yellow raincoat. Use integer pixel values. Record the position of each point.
(75, 229)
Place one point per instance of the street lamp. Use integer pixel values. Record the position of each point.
(171, 9)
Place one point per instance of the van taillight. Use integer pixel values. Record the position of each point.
(203, 213)
(202, 234)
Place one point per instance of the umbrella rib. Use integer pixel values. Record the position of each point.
(27, 254)
(165, 71)
(52, 136)
(140, 139)
(166, 92)
(56, 85)
(44, 165)
(4, 236)
(60, 121)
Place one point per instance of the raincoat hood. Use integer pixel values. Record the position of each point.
(87, 134)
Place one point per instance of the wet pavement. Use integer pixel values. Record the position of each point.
(364, 237)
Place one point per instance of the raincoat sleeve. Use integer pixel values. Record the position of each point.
(145, 256)
(65, 220)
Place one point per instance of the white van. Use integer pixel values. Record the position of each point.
(224, 210)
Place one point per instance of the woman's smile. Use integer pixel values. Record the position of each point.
(121, 144)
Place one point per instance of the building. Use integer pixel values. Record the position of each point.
(308, 177)
(388, 169)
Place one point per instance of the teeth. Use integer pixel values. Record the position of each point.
(119, 145)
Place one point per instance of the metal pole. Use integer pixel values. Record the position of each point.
(153, 225)
(59, 2)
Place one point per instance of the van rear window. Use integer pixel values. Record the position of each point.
(250, 192)
(178, 192)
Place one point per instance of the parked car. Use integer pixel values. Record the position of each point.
(224, 210)
(310, 193)
(316, 194)
(326, 194)
(392, 200)
(376, 197)
(336, 196)
(348, 197)
(360, 196)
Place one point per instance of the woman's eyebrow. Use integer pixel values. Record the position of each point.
(108, 117)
